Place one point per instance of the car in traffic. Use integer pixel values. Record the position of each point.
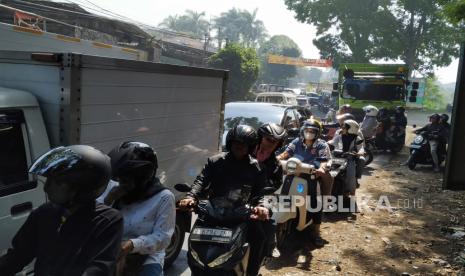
(256, 114)
(277, 98)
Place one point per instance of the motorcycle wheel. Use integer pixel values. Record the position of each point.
(172, 251)
(368, 156)
(397, 148)
(412, 164)
(282, 230)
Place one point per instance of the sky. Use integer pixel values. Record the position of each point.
(274, 13)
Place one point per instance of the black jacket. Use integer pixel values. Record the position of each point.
(224, 176)
(273, 171)
(87, 243)
(438, 128)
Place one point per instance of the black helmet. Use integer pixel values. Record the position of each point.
(134, 159)
(383, 112)
(444, 117)
(435, 116)
(312, 124)
(400, 109)
(244, 134)
(85, 168)
(272, 130)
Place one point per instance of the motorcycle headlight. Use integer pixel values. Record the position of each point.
(291, 167)
(222, 258)
(418, 140)
(196, 257)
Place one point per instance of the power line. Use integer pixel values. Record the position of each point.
(111, 15)
(38, 16)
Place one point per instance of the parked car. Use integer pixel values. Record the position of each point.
(277, 98)
(256, 114)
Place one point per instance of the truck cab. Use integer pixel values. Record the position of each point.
(23, 138)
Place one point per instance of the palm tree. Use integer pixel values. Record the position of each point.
(240, 26)
(171, 22)
(191, 22)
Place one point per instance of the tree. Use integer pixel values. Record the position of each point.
(278, 45)
(191, 22)
(243, 66)
(414, 31)
(454, 10)
(434, 98)
(239, 26)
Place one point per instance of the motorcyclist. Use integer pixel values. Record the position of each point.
(236, 175)
(71, 234)
(346, 108)
(399, 124)
(145, 203)
(348, 140)
(383, 130)
(436, 129)
(444, 121)
(347, 116)
(308, 147)
(270, 138)
(369, 123)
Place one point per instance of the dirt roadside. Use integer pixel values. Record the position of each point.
(422, 234)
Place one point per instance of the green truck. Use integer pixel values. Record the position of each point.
(381, 85)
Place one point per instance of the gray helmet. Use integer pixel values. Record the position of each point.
(272, 130)
(86, 169)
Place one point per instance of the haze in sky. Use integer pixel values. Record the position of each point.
(274, 13)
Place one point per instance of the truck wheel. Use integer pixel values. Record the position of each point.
(172, 251)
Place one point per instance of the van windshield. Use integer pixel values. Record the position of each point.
(373, 90)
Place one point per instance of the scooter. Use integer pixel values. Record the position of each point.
(299, 182)
(420, 151)
(218, 242)
(339, 165)
(386, 139)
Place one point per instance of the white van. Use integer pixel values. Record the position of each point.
(277, 97)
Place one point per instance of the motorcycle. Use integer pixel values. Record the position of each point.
(299, 181)
(370, 148)
(386, 139)
(340, 163)
(218, 242)
(420, 151)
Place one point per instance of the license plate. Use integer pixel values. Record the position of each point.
(211, 235)
(415, 146)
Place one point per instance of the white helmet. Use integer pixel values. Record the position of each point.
(371, 110)
(352, 126)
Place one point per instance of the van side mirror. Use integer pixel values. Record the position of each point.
(335, 86)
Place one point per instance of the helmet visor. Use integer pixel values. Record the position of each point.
(55, 161)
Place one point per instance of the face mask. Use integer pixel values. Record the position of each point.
(309, 136)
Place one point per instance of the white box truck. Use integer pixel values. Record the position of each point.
(48, 100)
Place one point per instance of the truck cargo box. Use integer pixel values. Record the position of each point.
(104, 101)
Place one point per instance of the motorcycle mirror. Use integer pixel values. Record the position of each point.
(182, 187)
